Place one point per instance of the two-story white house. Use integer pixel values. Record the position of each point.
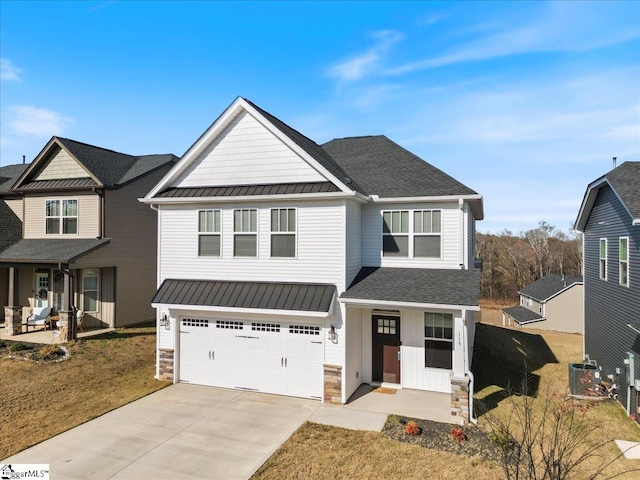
(301, 269)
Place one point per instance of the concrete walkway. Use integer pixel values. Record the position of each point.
(191, 431)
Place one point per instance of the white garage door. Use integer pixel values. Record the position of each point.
(272, 357)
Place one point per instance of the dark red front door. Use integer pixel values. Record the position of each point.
(386, 348)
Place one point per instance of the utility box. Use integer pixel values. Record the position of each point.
(582, 378)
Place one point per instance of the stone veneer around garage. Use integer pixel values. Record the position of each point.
(165, 365)
(333, 384)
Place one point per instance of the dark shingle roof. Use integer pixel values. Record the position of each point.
(50, 250)
(9, 175)
(10, 226)
(625, 180)
(522, 315)
(548, 286)
(384, 168)
(302, 297)
(416, 285)
(247, 190)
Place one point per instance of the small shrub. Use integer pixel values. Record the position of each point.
(17, 347)
(458, 435)
(501, 440)
(412, 428)
(48, 351)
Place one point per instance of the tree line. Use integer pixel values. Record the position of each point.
(511, 262)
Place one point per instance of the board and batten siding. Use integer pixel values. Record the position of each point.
(353, 356)
(609, 306)
(319, 249)
(132, 228)
(451, 236)
(564, 312)
(247, 153)
(61, 166)
(88, 214)
(26, 291)
(353, 240)
(471, 237)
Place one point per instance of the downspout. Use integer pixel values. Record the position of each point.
(158, 313)
(468, 372)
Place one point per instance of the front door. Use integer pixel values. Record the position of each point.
(386, 348)
(42, 290)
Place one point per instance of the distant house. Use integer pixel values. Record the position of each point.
(554, 302)
(609, 218)
(74, 234)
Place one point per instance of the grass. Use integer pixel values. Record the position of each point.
(42, 399)
(501, 357)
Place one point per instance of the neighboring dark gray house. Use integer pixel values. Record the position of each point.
(553, 302)
(609, 218)
(72, 228)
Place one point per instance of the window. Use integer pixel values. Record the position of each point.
(603, 258)
(438, 340)
(427, 228)
(209, 233)
(61, 217)
(245, 233)
(283, 232)
(90, 289)
(395, 233)
(387, 326)
(623, 254)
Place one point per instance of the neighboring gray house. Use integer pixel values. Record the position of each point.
(609, 218)
(74, 234)
(553, 302)
(301, 269)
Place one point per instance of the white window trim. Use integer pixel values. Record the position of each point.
(620, 262)
(233, 220)
(97, 290)
(61, 217)
(606, 259)
(294, 233)
(411, 233)
(219, 233)
(440, 339)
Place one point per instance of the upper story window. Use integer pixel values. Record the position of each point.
(283, 232)
(603, 258)
(245, 232)
(209, 233)
(623, 254)
(427, 227)
(395, 233)
(61, 217)
(438, 340)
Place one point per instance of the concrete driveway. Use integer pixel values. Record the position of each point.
(182, 431)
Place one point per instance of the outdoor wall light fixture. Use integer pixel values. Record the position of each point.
(333, 335)
(164, 322)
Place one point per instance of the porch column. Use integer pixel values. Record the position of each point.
(68, 324)
(460, 398)
(13, 320)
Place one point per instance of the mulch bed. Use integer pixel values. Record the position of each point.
(437, 436)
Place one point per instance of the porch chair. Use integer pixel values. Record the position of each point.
(38, 318)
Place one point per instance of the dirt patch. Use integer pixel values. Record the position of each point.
(439, 436)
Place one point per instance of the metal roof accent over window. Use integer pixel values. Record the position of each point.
(58, 184)
(249, 190)
(303, 297)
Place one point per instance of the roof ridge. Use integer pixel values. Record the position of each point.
(94, 146)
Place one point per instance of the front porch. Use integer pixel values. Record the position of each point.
(47, 337)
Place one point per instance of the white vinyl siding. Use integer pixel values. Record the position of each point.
(353, 240)
(451, 246)
(353, 347)
(88, 216)
(61, 166)
(283, 232)
(623, 257)
(246, 153)
(209, 237)
(603, 259)
(319, 256)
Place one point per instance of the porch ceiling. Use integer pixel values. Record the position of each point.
(446, 287)
(50, 250)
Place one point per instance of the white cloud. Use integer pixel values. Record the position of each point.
(363, 64)
(38, 122)
(8, 71)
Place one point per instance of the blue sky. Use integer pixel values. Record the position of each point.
(525, 102)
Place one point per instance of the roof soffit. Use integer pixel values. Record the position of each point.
(218, 127)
